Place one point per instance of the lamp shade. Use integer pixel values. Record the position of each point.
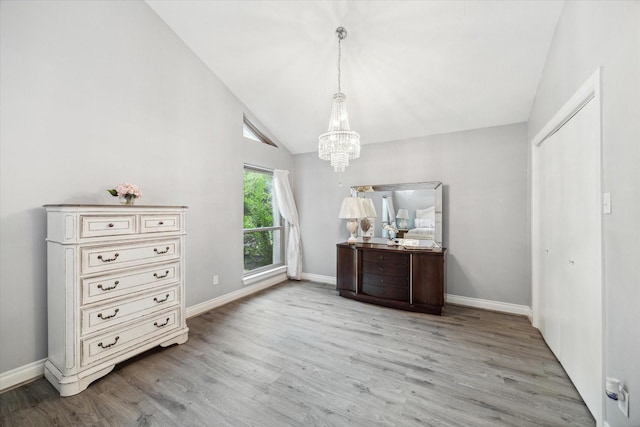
(402, 214)
(368, 209)
(350, 208)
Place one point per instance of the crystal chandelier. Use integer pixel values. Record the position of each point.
(339, 144)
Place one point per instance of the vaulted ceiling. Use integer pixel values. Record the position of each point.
(409, 68)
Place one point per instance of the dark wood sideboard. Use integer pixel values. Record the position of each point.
(391, 276)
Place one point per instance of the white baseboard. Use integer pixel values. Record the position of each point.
(319, 278)
(503, 307)
(21, 374)
(202, 307)
(35, 370)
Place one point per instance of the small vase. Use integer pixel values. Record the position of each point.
(127, 200)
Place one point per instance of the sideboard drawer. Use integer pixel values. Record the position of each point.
(159, 223)
(397, 293)
(101, 288)
(114, 341)
(108, 225)
(96, 318)
(386, 257)
(398, 270)
(381, 280)
(97, 259)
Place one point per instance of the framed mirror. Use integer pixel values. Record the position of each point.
(415, 209)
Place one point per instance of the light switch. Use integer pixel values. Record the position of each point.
(606, 202)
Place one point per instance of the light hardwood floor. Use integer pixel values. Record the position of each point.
(299, 355)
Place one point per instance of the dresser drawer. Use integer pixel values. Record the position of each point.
(96, 318)
(385, 257)
(108, 225)
(387, 269)
(97, 259)
(159, 223)
(105, 287)
(118, 340)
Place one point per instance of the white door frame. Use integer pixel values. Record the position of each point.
(590, 91)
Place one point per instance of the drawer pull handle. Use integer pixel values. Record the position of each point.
(109, 345)
(115, 257)
(166, 322)
(115, 284)
(110, 225)
(160, 222)
(161, 252)
(380, 268)
(103, 317)
(166, 273)
(161, 300)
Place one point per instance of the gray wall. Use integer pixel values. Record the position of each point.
(485, 200)
(607, 34)
(94, 94)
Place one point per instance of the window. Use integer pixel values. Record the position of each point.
(263, 225)
(252, 132)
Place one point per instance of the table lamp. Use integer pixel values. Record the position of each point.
(351, 211)
(403, 214)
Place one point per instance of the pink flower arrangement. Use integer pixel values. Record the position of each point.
(126, 191)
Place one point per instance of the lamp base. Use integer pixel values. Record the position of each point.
(352, 227)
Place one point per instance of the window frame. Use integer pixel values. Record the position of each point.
(281, 228)
(260, 137)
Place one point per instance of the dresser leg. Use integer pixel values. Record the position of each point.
(68, 386)
(180, 339)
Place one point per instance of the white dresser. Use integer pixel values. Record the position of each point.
(115, 287)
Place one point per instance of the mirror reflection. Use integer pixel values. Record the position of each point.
(405, 211)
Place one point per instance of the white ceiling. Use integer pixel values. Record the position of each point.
(409, 68)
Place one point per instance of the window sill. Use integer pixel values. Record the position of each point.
(264, 275)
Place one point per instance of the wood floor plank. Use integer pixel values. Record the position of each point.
(298, 354)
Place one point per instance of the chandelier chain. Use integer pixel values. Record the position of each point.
(339, 58)
(341, 32)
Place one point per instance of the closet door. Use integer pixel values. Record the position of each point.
(582, 250)
(570, 251)
(550, 238)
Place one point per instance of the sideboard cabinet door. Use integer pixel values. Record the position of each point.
(428, 279)
(347, 267)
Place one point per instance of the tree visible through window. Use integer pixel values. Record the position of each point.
(263, 230)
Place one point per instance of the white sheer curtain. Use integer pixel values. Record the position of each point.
(288, 210)
(392, 212)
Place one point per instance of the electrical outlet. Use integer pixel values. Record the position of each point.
(215, 280)
(623, 402)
